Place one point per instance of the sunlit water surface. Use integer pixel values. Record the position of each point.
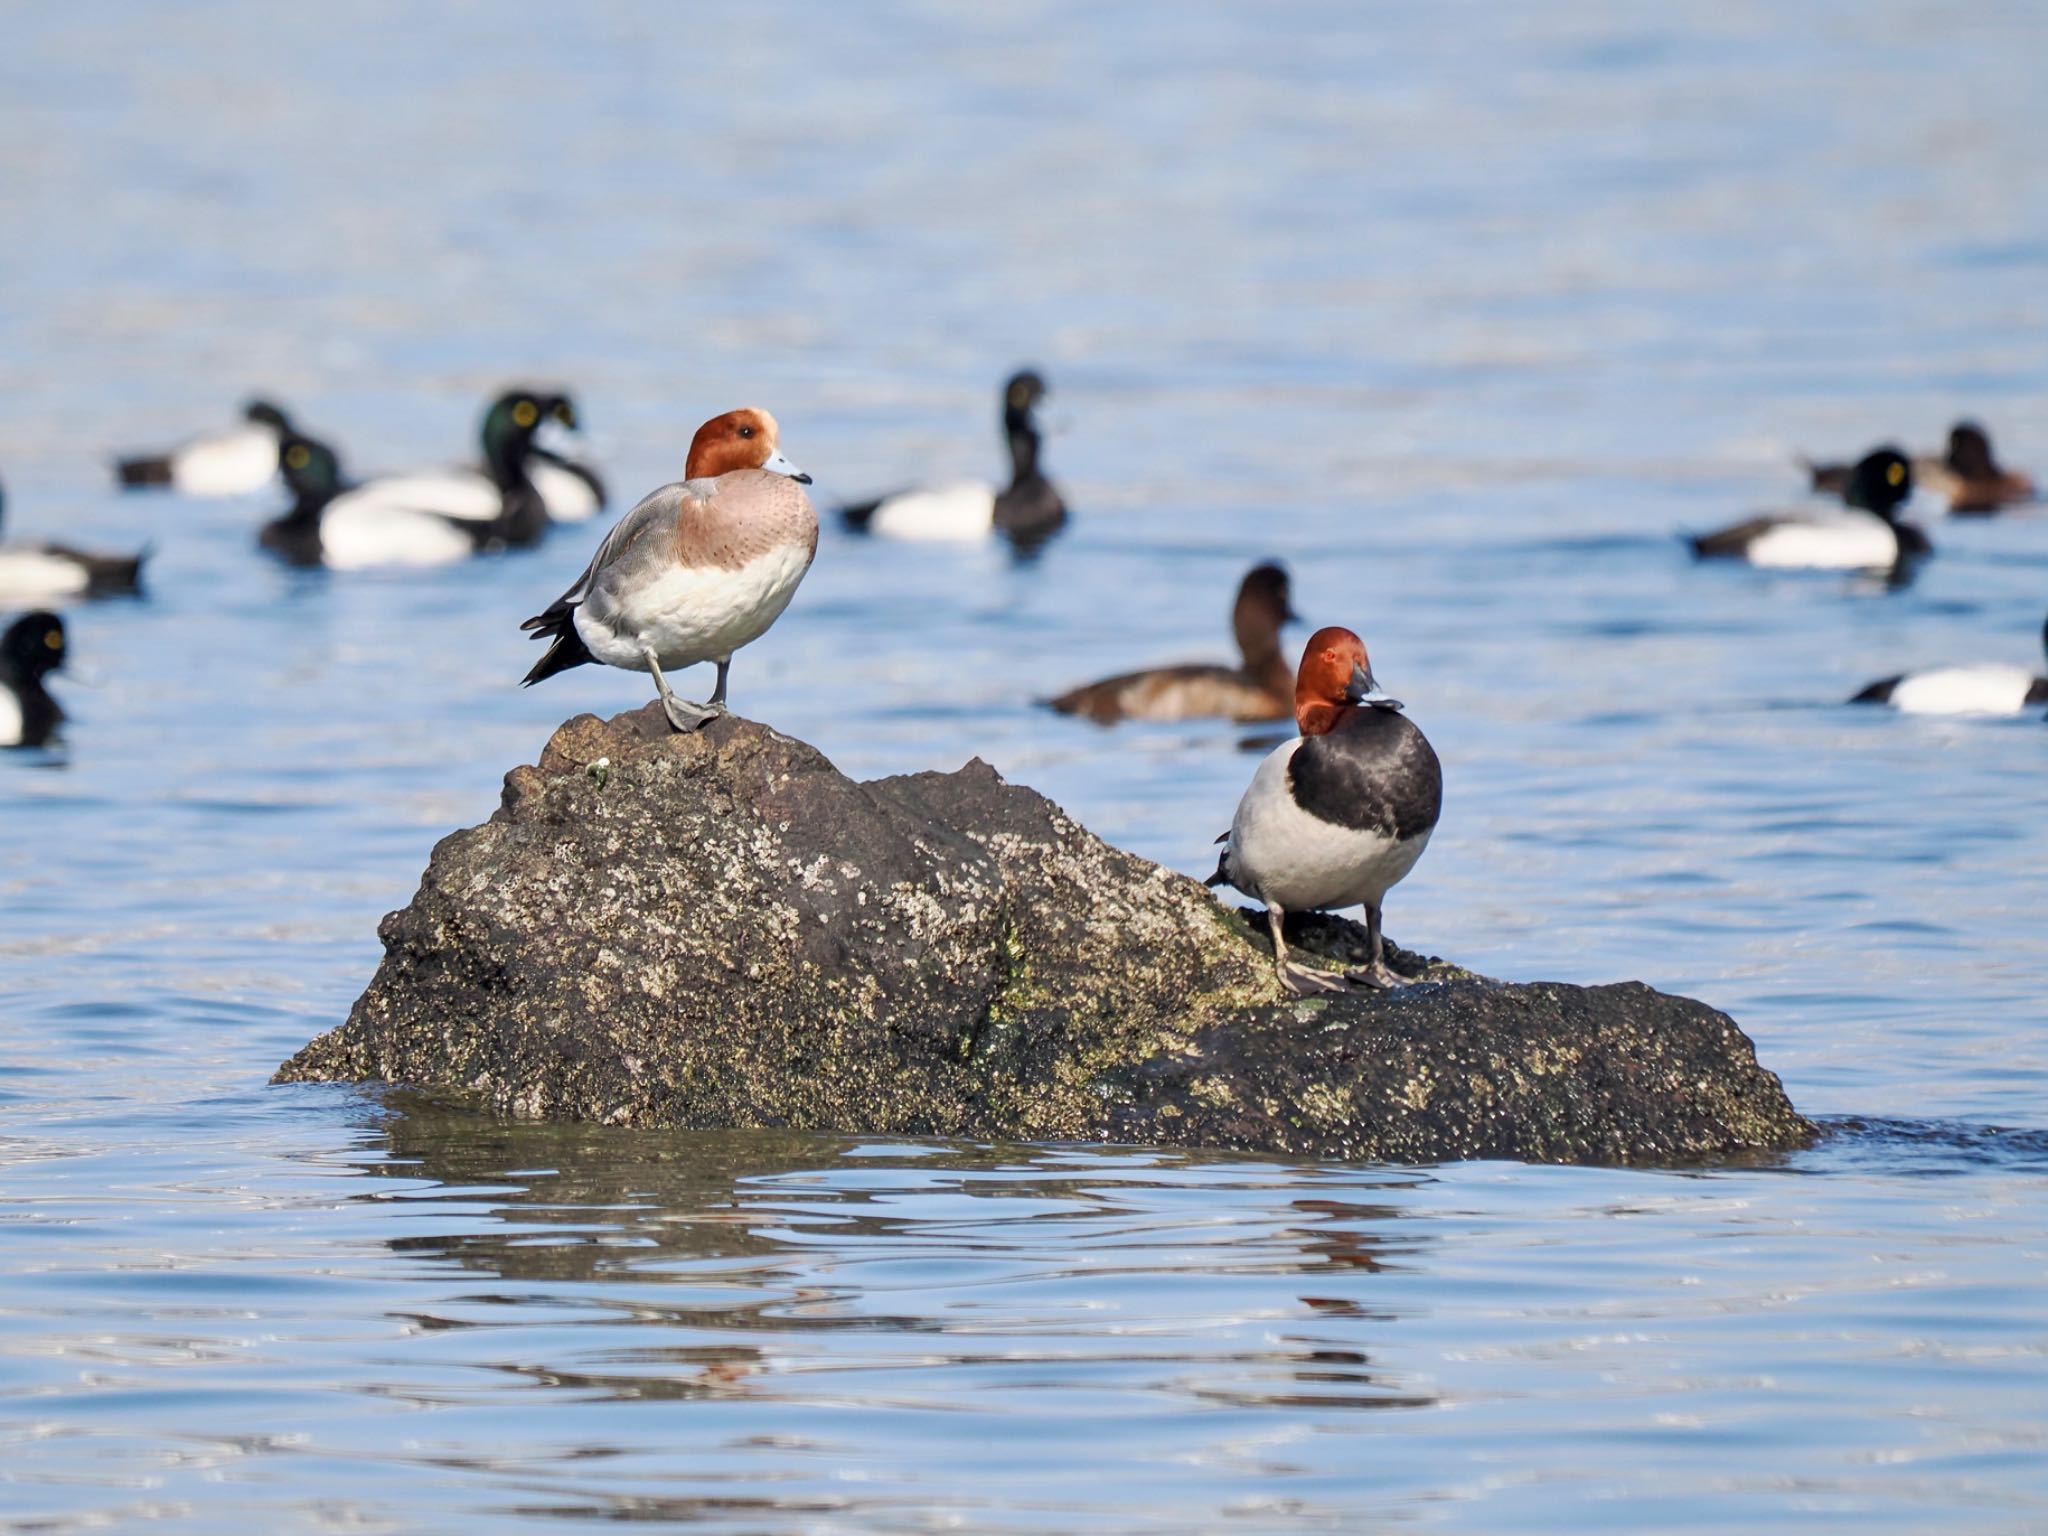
(1464, 316)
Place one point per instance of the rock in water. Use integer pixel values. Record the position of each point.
(721, 929)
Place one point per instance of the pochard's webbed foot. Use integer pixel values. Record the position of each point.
(1312, 980)
(687, 717)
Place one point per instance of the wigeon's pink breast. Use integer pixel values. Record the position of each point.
(730, 522)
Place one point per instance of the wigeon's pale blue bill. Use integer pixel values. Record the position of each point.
(777, 464)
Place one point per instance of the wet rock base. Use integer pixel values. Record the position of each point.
(722, 930)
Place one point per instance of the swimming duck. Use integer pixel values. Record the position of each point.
(1869, 537)
(343, 529)
(1337, 816)
(514, 466)
(48, 573)
(31, 650)
(231, 462)
(570, 492)
(695, 571)
(1027, 511)
(1968, 476)
(1261, 689)
(1971, 477)
(1989, 689)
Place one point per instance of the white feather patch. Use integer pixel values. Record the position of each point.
(690, 615)
(1859, 543)
(230, 463)
(10, 718)
(355, 535)
(1985, 690)
(29, 576)
(960, 511)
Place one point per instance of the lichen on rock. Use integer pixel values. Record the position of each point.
(720, 929)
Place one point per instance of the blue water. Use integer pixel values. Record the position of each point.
(1463, 314)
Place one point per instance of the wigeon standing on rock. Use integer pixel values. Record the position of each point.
(1336, 817)
(695, 571)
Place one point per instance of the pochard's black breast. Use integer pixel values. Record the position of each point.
(1374, 773)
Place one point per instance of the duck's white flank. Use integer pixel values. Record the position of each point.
(1858, 542)
(10, 719)
(960, 510)
(1298, 862)
(29, 577)
(356, 534)
(1993, 689)
(692, 614)
(229, 463)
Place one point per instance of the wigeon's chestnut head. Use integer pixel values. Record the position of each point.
(1335, 679)
(744, 439)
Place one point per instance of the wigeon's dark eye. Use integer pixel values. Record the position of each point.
(746, 431)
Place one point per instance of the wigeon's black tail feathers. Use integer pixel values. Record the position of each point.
(1221, 877)
(139, 472)
(558, 625)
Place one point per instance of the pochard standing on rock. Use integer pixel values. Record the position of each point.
(1261, 688)
(1337, 817)
(695, 571)
(1027, 511)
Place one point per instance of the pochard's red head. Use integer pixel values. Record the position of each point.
(1335, 679)
(742, 439)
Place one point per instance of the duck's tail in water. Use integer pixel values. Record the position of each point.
(133, 473)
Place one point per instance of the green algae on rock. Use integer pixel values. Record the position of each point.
(722, 930)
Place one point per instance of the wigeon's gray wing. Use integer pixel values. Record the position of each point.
(636, 542)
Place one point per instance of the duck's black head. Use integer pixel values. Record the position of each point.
(1021, 395)
(513, 419)
(310, 469)
(1880, 482)
(264, 414)
(1969, 452)
(34, 644)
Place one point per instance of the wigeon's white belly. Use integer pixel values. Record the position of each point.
(1986, 690)
(29, 576)
(10, 719)
(692, 614)
(959, 511)
(566, 494)
(1862, 543)
(231, 463)
(357, 533)
(1290, 859)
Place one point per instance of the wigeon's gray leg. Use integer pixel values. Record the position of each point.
(1302, 980)
(682, 714)
(1378, 973)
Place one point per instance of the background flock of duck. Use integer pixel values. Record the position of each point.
(698, 569)
(522, 484)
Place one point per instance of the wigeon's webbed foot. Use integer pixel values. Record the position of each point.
(687, 717)
(1378, 975)
(1310, 980)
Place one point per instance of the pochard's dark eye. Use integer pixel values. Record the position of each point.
(746, 431)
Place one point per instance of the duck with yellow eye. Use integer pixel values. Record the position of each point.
(346, 528)
(1866, 536)
(515, 463)
(30, 651)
